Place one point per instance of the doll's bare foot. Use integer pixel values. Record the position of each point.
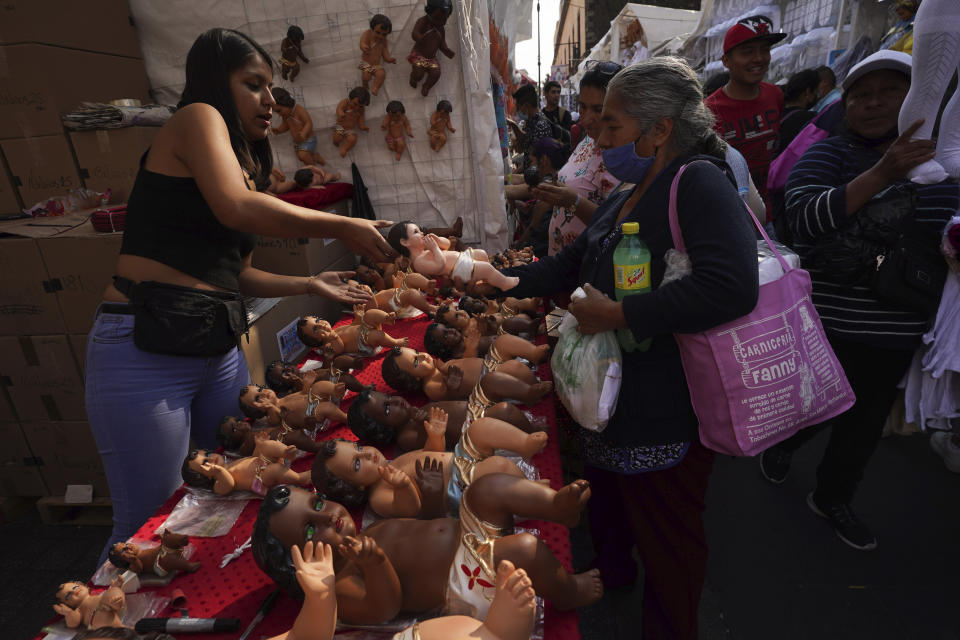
(508, 283)
(534, 444)
(540, 389)
(424, 90)
(570, 501)
(343, 152)
(391, 318)
(514, 604)
(193, 566)
(457, 227)
(541, 353)
(413, 83)
(333, 178)
(589, 589)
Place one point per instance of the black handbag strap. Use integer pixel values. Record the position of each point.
(124, 286)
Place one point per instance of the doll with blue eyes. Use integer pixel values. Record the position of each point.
(353, 474)
(266, 468)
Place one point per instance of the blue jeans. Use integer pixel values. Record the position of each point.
(144, 408)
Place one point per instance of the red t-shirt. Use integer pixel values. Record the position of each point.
(750, 127)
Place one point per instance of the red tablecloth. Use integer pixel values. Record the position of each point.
(318, 198)
(237, 590)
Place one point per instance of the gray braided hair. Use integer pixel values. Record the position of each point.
(666, 87)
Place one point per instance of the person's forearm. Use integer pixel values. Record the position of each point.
(862, 188)
(584, 210)
(263, 215)
(263, 284)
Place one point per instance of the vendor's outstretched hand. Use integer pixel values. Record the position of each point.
(314, 568)
(363, 237)
(596, 313)
(333, 285)
(556, 194)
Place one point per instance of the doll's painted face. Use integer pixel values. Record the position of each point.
(367, 275)
(381, 31)
(258, 397)
(283, 374)
(457, 318)
(392, 411)
(204, 457)
(414, 240)
(356, 464)
(439, 15)
(235, 428)
(449, 337)
(72, 594)
(416, 363)
(318, 328)
(126, 550)
(308, 516)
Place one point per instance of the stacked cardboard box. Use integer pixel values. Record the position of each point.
(53, 56)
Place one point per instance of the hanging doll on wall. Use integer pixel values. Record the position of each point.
(291, 53)
(297, 121)
(395, 123)
(429, 38)
(350, 117)
(936, 56)
(373, 43)
(439, 124)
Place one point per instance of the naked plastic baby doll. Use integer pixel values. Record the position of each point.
(349, 117)
(415, 565)
(258, 473)
(381, 419)
(429, 255)
(317, 405)
(486, 324)
(353, 474)
(239, 437)
(285, 378)
(447, 343)
(410, 371)
(297, 121)
(374, 45)
(79, 608)
(363, 336)
(429, 38)
(439, 124)
(291, 53)
(395, 123)
(159, 561)
(309, 177)
(404, 298)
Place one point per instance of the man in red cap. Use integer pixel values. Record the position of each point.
(748, 110)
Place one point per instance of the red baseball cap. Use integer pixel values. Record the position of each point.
(750, 29)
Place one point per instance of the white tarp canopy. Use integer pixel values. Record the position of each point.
(464, 178)
(659, 25)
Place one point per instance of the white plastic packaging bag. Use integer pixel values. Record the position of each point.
(586, 372)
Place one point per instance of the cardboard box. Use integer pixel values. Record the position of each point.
(263, 346)
(39, 82)
(67, 454)
(41, 377)
(9, 198)
(27, 306)
(19, 469)
(301, 256)
(110, 158)
(78, 345)
(105, 26)
(41, 167)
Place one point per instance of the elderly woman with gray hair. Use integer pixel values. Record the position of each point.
(648, 464)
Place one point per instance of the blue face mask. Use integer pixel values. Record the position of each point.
(624, 164)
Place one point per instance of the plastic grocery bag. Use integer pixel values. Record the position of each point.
(586, 372)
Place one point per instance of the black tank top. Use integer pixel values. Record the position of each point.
(169, 221)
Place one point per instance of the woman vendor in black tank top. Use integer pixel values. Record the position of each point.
(192, 220)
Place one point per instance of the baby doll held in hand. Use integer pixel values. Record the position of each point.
(373, 43)
(159, 561)
(429, 255)
(439, 124)
(395, 123)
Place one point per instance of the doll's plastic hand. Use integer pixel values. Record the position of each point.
(555, 194)
(432, 488)
(307, 378)
(333, 285)
(430, 242)
(362, 549)
(364, 128)
(452, 130)
(436, 424)
(390, 60)
(471, 332)
(393, 476)
(597, 313)
(62, 609)
(454, 376)
(314, 568)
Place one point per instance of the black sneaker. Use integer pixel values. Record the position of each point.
(775, 464)
(845, 524)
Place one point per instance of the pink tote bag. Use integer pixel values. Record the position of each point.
(757, 380)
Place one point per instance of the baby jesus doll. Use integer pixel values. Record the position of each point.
(239, 437)
(429, 37)
(350, 117)
(395, 123)
(258, 473)
(285, 378)
(381, 419)
(78, 607)
(315, 406)
(291, 53)
(352, 473)
(402, 564)
(439, 124)
(429, 255)
(159, 561)
(373, 43)
(362, 336)
(309, 177)
(486, 324)
(297, 121)
(447, 343)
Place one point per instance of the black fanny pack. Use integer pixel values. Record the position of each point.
(184, 321)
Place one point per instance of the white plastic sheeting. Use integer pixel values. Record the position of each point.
(463, 179)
